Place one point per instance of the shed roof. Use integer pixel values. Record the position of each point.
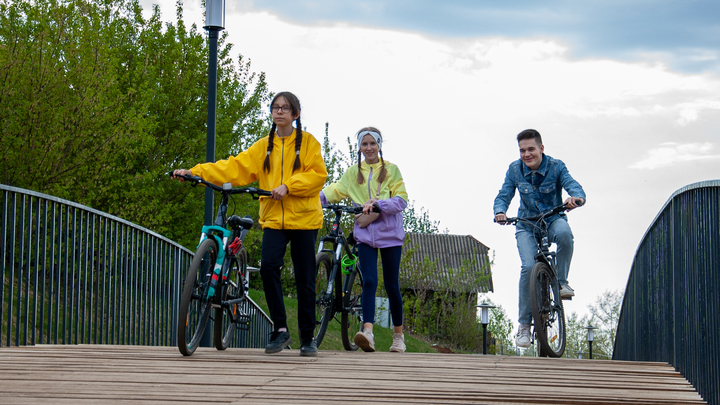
(454, 256)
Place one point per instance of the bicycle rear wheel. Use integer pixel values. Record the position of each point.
(195, 303)
(547, 311)
(324, 306)
(352, 319)
(226, 318)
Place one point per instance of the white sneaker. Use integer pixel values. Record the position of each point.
(522, 339)
(398, 344)
(566, 291)
(366, 341)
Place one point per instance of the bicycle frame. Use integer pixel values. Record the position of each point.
(339, 244)
(222, 235)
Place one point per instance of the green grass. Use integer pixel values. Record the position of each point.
(333, 340)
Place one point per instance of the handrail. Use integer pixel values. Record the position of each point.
(671, 307)
(73, 275)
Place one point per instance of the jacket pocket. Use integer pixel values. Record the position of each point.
(524, 188)
(547, 188)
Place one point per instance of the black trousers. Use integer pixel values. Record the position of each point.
(302, 251)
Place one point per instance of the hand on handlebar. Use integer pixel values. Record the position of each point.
(370, 206)
(501, 219)
(181, 172)
(278, 193)
(573, 202)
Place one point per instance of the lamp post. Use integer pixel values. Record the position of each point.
(214, 23)
(591, 337)
(485, 321)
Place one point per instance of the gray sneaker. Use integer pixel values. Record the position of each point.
(566, 291)
(398, 344)
(522, 339)
(366, 341)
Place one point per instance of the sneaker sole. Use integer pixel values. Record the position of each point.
(308, 354)
(279, 349)
(394, 350)
(362, 341)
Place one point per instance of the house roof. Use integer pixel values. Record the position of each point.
(449, 258)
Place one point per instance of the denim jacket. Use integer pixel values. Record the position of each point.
(540, 190)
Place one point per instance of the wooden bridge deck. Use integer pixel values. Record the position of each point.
(96, 374)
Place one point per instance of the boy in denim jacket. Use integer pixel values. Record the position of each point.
(540, 180)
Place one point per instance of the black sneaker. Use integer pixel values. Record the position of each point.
(278, 341)
(308, 348)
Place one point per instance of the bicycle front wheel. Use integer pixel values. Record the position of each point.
(324, 306)
(226, 318)
(547, 311)
(352, 319)
(195, 303)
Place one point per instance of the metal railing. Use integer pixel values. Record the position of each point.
(75, 275)
(671, 309)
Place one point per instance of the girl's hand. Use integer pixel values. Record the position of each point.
(368, 206)
(278, 193)
(182, 172)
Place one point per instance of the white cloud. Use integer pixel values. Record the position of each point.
(671, 153)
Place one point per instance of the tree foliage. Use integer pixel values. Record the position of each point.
(97, 104)
(442, 308)
(604, 315)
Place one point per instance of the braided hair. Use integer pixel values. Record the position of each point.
(295, 106)
(383, 172)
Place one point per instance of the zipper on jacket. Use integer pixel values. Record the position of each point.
(282, 174)
(372, 227)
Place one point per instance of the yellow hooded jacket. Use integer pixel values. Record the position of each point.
(300, 209)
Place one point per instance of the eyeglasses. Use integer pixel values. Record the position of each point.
(286, 109)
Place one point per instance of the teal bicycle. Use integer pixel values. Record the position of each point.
(218, 275)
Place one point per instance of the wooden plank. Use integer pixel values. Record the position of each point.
(142, 374)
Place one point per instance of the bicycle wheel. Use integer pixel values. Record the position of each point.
(194, 304)
(547, 311)
(226, 318)
(324, 306)
(352, 319)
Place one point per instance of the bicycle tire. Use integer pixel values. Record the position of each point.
(224, 325)
(352, 319)
(547, 311)
(324, 308)
(194, 304)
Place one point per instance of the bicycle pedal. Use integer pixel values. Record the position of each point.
(242, 322)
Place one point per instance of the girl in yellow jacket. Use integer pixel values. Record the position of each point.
(289, 163)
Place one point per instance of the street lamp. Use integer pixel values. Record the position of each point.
(591, 337)
(485, 321)
(214, 23)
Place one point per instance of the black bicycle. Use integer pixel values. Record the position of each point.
(218, 275)
(332, 296)
(545, 299)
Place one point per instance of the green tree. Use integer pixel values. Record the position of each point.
(105, 102)
(606, 314)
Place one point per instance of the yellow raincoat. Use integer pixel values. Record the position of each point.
(300, 209)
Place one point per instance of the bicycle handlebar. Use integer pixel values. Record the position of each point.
(556, 210)
(347, 208)
(221, 189)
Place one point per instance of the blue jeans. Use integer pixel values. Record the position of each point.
(560, 234)
(390, 257)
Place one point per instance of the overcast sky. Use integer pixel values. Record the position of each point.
(626, 93)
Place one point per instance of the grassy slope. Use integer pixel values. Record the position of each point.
(332, 340)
